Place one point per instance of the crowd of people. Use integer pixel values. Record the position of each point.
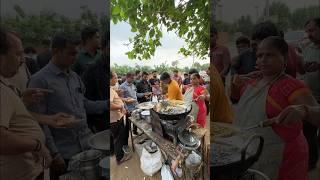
(52, 101)
(274, 80)
(138, 87)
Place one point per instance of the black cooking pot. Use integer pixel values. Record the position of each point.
(173, 116)
(234, 170)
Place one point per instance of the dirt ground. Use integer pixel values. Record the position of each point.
(131, 170)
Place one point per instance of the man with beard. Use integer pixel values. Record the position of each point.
(143, 86)
(89, 52)
(154, 78)
(96, 83)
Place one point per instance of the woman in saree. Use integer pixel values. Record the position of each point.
(196, 95)
(285, 152)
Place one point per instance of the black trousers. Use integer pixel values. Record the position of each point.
(120, 138)
(310, 132)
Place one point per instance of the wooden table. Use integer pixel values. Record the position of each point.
(167, 146)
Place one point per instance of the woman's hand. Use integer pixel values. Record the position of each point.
(291, 114)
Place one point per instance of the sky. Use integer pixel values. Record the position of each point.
(70, 8)
(167, 53)
(232, 10)
(120, 33)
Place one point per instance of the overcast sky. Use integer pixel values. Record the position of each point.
(167, 53)
(233, 9)
(120, 33)
(70, 8)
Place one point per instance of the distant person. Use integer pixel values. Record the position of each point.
(89, 52)
(30, 59)
(27, 67)
(186, 79)
(245, 62)
(173, 90)
(143, 86)
(154, 78)
(96, 83)
(138, 75)
(45, 54)
(177, 77)
(220, 54)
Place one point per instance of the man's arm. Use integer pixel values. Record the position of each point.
(95, 107)
(41, 108)
(12, 144)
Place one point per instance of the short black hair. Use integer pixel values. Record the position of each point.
(129, 74)
(243, 40)
(145, 73)
(154, 71)
(60, 41)
(87, 33)
(185, 74)
(316, 20)
(30, 49)
(164, 76)
(264, 30)
(193, 70)
(137, 72)
(176, 70)
(278, 43)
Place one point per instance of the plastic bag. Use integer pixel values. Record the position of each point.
(166, 173)
(140, 143)
(151, 163)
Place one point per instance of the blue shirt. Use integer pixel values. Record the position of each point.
(68, 97)
(130, 90)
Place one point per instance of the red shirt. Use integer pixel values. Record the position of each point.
(292, 63)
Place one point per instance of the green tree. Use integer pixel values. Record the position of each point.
(244, 25)
(280, 13)
(175, 64)
(301, 15)
(147, 18)
(34, 28)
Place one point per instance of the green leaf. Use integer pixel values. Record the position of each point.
(116, 10)
(151, 33)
